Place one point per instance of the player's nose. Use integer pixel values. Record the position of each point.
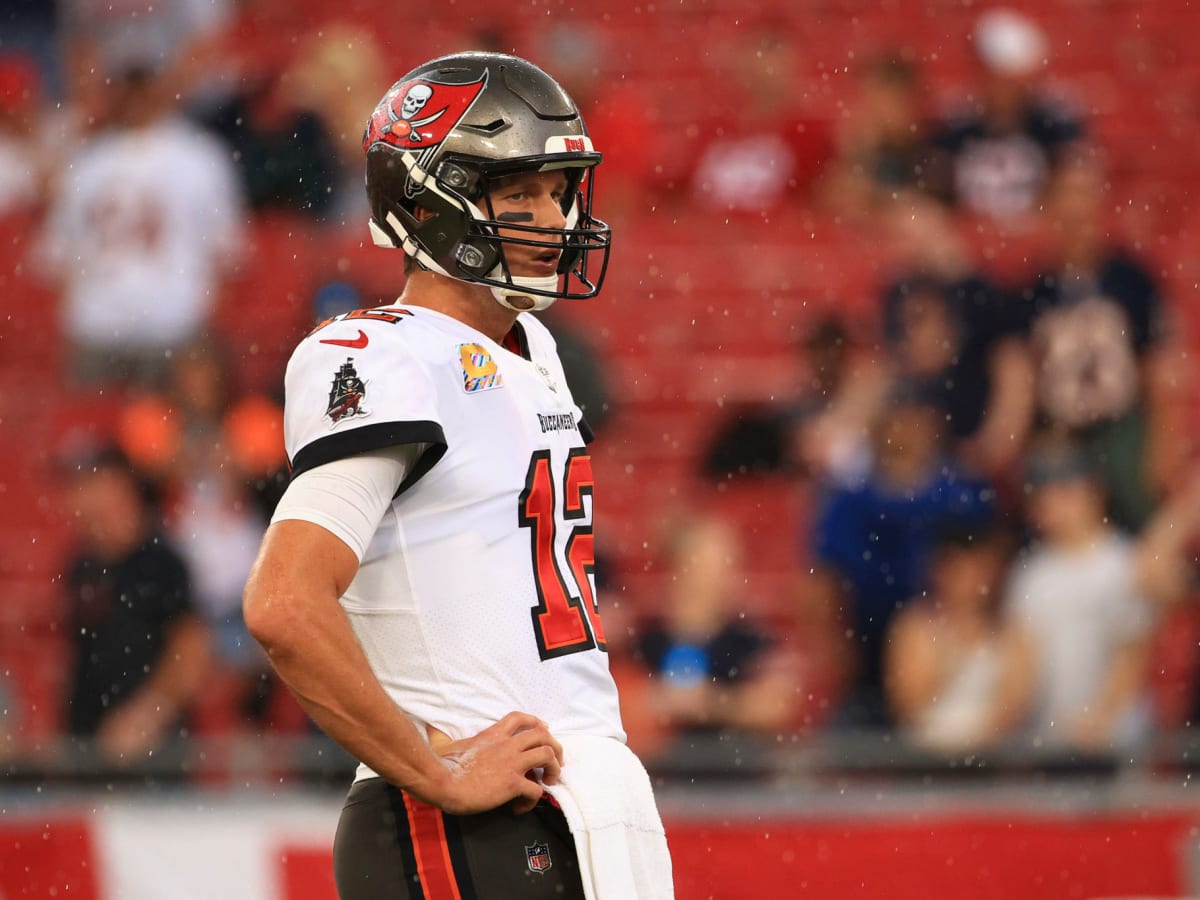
(550, 214)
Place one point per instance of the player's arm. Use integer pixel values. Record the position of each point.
(292, 609)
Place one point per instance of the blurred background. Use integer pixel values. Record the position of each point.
(892, 379)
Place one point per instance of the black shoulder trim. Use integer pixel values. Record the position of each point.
(374, 437)
(585, 430)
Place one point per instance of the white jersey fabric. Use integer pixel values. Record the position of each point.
(474, 598)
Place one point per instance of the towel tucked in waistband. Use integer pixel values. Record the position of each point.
(606, 797)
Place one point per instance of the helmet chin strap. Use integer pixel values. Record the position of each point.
(510, 297)
(513, 298)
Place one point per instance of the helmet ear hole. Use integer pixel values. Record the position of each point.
(478, 259)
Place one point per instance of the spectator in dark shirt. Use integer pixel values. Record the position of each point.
(995, 155)
(1106, 359)
(140, 653)
(951, 329)
(284, 149)
(714, 668)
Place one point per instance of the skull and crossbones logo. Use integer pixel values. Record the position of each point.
(406, 124)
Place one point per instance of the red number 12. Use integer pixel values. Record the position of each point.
(565, 620)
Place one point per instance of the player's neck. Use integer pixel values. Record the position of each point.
(470, 304)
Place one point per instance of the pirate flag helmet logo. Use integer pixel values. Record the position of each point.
(418, 114)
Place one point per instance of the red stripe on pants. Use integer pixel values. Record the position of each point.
(431, 849)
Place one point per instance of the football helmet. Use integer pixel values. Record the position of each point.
(442, 135)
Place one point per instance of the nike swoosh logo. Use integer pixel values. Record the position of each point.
(355, 344)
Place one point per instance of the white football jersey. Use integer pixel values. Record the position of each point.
(476, 596)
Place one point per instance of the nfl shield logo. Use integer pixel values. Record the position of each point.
(538, 857)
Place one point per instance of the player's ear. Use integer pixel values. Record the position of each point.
(420, 213)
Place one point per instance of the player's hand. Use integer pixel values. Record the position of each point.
(498, 765)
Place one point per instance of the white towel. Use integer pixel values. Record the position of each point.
(605, 795)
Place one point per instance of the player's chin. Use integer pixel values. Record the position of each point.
(535, 265)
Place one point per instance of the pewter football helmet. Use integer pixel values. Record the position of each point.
(448, 129)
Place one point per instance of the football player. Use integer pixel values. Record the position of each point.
(425, 587)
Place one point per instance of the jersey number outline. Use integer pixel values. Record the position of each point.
(565, 620)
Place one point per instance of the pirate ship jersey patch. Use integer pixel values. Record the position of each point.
(346, 395)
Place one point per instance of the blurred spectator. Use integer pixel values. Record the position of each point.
(622, 123)
(21, 137)
(874, 536)
(1106, 364)
(113, 34)
(994, 156)
(583, 369)
(1086, 597)
(29, 28)
(714, 667)
(218, 460)
(337, 74)
(820, 432)
(956, 679)
(950, 329)
(145, 219)
(337, 297)
(285, 154)
(758, 150)
(140, 651)
(882, 142)
(288, 98)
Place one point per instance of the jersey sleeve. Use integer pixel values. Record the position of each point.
(355, 386)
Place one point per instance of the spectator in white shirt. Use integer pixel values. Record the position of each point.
(145, 219)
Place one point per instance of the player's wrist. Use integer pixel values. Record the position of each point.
(434, 783)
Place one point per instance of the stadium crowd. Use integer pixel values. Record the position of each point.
(891, 385)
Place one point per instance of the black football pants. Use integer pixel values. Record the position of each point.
(391, 846)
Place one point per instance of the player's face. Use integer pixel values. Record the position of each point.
(530, 198)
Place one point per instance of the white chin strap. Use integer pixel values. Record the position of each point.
(513, 298)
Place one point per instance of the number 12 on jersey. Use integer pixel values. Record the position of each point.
(566, 619)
